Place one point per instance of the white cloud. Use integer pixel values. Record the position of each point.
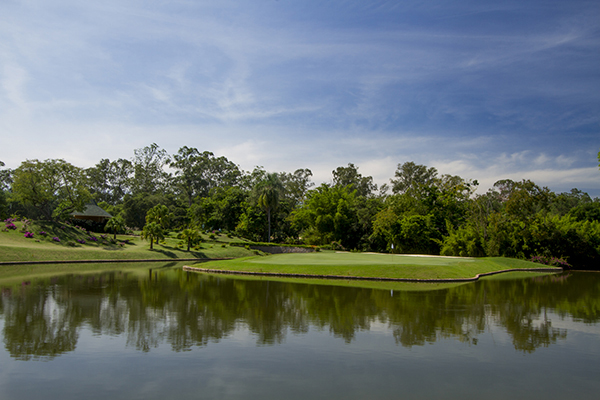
(287, 88)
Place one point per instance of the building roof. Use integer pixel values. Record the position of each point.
(91, 210)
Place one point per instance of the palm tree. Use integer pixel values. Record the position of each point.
(160, 215)
(152, 230)
(115, 224)
(268, 192)
(190, 235)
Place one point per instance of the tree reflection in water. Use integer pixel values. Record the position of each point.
(184, 309)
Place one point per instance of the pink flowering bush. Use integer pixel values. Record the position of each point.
(29, 235)
(551, 261)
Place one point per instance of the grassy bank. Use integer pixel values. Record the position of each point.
(77, 244)
(372, 265)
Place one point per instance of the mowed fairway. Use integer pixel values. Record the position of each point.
(371, 265)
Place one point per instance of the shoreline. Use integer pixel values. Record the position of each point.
(365, 278)
(107, 261)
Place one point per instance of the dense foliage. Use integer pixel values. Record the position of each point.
(425, 213)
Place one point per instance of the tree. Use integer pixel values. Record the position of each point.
(109, 181)
(411, 177)
(148, 167)
(328, 215)
(5, 184)
(345, 176)
(160, 215)
(5, 178)
(152, 231)
(198, 173)
(526, 199)
(54, 188)
(296, 185)
(135, 207)
(190, 235)
(220, 210)
(268, 192)
(249, 180)
(115, 224)
(563, 203)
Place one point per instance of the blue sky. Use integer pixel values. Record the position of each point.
(482, 89)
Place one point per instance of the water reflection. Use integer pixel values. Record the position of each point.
(43, 319)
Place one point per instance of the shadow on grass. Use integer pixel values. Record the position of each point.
(186, 254)
(169, 254)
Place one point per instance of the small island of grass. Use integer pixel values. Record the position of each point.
(372, 266)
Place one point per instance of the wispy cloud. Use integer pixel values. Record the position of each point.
(478, 89)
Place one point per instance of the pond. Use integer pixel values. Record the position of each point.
(170, 334)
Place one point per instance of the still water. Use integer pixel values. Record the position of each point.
(178, 335)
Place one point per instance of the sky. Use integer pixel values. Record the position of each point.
(486, 90)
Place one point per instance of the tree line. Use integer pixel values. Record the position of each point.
(420, 211)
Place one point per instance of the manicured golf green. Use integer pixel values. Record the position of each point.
(373, 265)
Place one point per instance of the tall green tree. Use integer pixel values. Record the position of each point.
(198, 173)
(345, 176)
(55, 188)
(149, 175)
(220, 210)
(328, 215)
(411, 177)
(5, 178)
(5, 184)
(268, 193)
(296, 185)
(109, 181)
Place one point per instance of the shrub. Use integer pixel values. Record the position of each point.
(10, 225)
(29, 235)
(551, 261)
(56, 239)
(81, 241)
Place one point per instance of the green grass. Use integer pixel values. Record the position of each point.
(372, 265)
(15, 247)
